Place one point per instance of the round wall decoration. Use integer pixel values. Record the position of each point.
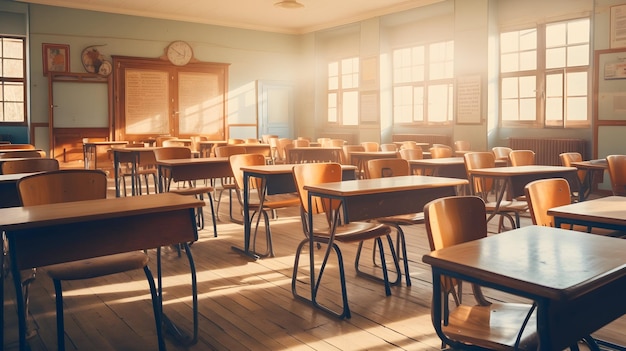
(94, 62)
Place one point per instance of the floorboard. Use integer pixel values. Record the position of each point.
(244, 305)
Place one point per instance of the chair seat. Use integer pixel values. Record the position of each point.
(97, 267)
(495, 326)
(514, 205)
(406, 219)
(356, 231)
(276, 201)
(193, 191)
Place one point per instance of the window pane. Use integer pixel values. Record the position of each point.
(528, 109)
(555, 35)
(554, 85)
(333, 69)
(509, 62)
(402, 102)
(509, 42)
(418, 104)
(555, 58)
(578, 55)
(577, 84)
(438, 103)
(509, 110)
(528, 39)
(13, 92)
(332, 107)
(528, 60)
(554, 109)
(350, 110)
(14, 112)
(509, 88)
(12, 48)
(527, 86)
(577, 109)
(578, 31)
(333, 83)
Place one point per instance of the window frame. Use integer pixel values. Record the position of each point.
(425, 85)
(541, 73)
(340, 92)
(23, 81)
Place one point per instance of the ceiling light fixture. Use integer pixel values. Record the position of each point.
(289, 4)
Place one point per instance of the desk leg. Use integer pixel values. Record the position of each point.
(246, 221)
(116, 172)
(176, 332)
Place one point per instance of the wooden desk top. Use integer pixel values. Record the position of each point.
(18, 218)
(543, 261)
(610, 209)
(599, 164)
(375, 153)
(282, 168)
(192, 161)
(18, 150)
(13, 177)
(98, 143)
(383, 185)
(446, 161)
(135, 149)
(520, 170)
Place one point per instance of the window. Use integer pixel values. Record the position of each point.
(12, 80)
(544, 75)
(423, 84)
(343, 91)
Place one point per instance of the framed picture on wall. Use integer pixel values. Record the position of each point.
(618, 26)
(55, 57)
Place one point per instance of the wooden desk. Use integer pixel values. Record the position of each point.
(132, 155)
(606, 212)
(63, 232)
(360, 158)
(365, 199)
(275, 179)
(591, 168)
(576, 279)
(90, 151)
(206, 147)
(2, 151)
(512, 180)
(191, 169)
(9, 197)
(450, 167)
(263, 149)
(314, 154)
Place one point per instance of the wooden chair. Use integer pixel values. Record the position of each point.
(270, 203)
(410, 145)
(336, 143)
(370, 146)
(159, 140)
(146, 169)
(347, 150)
(30, 165)
(522, 157)
(252, 141)
(236, 141)
(265, 138)
(168, 153)
(501, 152)
(567, 158)
(462, 145)
(228, 183)
(173, 143)
(617, 173)
(22, 154)
(301, 143)
(280, 150)
(544, 194)
(353, 232)
(195, 142)
(412, 154)
(78, 185)
(393, 167)
(483, 186)
(388, 147)
(483, 324)
(440, 151)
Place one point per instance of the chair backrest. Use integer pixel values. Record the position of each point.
(370, 146)
(172, 143)
(337, 143)
(522, 157)
(172, 152)
(545, 194)
(388, 167)
(388, 147)
(568, 157)
(265, 138)
(195, 141)
(280, 148)
(30, 165)
(412, 154)
(347, 149)
(252, 141)
(617, 173)
(440, 152)
(62, 186)
(160, 139)
(17, 146)
(22, 154)
(475, 160)
(501, 152)
(301, 143)
(462, 145)
(455, 220)
(324, 142)
(242, 160)
(410, 145)
(312, 174)
(229, 150)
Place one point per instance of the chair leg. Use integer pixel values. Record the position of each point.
(268, 234)
(400, 250)
(213, 215)
(385, 279)
(59, 306)
(156, 307)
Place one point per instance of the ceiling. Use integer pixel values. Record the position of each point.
(249, 14)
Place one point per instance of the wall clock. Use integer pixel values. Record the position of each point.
(179, 53)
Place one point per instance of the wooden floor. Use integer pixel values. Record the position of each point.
(243, 304)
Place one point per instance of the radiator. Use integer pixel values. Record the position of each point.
(547, 150)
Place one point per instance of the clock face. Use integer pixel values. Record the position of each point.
(179, 53)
